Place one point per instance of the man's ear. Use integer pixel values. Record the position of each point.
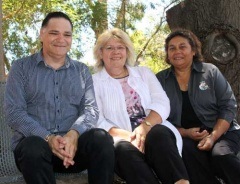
(41, 34)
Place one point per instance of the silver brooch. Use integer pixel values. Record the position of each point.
(203, 85)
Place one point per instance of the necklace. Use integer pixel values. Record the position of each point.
(123, 80)
(122, 74)
(183, 82)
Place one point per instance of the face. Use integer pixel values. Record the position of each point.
(56, 38)
(180, 53)
(114, 54)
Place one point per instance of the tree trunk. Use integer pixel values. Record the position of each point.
(121, 16)
(217, 25)
(2, 70)
(99, 21)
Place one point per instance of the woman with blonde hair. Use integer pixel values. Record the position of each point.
(133, 109)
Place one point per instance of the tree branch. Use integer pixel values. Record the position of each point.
(156, 31)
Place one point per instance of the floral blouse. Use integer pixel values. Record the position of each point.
(133, 102)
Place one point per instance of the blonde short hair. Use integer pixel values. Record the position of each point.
(120, 36)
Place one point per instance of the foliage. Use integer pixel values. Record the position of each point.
(154, 56)
(22, 21)
(128, 14)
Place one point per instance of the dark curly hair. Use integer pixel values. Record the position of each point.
(192, 39)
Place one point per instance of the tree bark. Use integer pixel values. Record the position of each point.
(217, 25)
(99, 21)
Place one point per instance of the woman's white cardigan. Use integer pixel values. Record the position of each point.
(111, 100)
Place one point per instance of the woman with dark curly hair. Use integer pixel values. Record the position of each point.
(203, 108)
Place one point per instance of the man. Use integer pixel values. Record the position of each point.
(50, 106)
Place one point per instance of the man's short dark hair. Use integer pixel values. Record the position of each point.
(55, 15)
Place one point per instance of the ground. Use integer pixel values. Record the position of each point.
(82, 179)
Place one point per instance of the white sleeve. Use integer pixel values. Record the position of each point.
(102, 122)
(159, 99)
(178, 136)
